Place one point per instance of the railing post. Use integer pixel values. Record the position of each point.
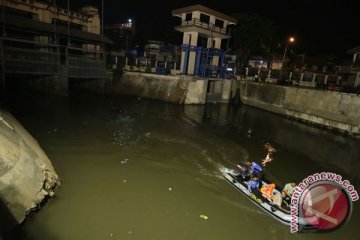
(126, 61)
(156, 64)
(301, 77)
(136, 62)
(165, 64)
(314, 77)
(175, 66)
(269, 74)
(290, 75)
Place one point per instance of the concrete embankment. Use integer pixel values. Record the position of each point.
(27, 176)
(333, 110)
(176, 89)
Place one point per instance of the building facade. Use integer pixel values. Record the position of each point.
(40, 40)
(202, 27)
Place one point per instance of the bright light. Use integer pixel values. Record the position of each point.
(291, 39)
(129, 20)
(229, 69)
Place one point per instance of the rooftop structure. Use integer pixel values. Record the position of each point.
(201, 27)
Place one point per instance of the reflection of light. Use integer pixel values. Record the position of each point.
(229, 69)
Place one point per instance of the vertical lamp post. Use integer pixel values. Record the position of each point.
(127, 40)
(290, 40)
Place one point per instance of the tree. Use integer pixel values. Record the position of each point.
(253, 35)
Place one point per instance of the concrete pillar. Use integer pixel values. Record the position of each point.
(226, 90)
(192, 55)
(217, 45)
(357, 79)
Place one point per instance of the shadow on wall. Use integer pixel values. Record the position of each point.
(7, 222)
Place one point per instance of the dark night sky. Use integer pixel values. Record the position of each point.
(320, 27)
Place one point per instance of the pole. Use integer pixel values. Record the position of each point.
(283, 61)
(3, 17)
(102, 25)
(54, 12)
(68, 30)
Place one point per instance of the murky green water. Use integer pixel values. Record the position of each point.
(140, 169)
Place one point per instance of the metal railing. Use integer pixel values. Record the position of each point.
(209, 26)
(333, 82)
(27, 57)
(35, 58)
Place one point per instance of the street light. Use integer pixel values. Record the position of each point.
(290, 40)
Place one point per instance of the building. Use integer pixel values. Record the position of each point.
(203, 31)
(161, 51)
(40, 39)
(354, 67)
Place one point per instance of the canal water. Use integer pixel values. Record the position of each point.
(139, 169)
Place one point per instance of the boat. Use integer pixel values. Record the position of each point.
(283, 215)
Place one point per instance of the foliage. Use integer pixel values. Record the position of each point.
(253, 35)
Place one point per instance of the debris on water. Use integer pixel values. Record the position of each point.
(204, 217)
(147, 134)
(170, 188)
(55, 130)
(124, 161)
(124, 181)
(111, 234)
(129, 232)
(249, 132)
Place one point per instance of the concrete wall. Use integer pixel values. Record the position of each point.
(334, 110)
(26, 174)
(176, 89)
(55, 84)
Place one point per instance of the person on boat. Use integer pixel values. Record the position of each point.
(289, 190)
(253, 187)
(270, 150)
(278, 200)
(267, 191)
(255, 169)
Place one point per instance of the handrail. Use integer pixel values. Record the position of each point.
(197, 22)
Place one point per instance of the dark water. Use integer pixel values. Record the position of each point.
(140, 169)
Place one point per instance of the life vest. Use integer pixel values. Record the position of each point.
(267, 191)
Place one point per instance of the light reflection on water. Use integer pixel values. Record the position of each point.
(148, 170)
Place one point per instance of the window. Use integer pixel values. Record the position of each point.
(202, 42)
(204, 18)
(219, 23)
(188, 16)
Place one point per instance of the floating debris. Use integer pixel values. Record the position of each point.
(124, 161)
(170, 188)
(204, 217)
